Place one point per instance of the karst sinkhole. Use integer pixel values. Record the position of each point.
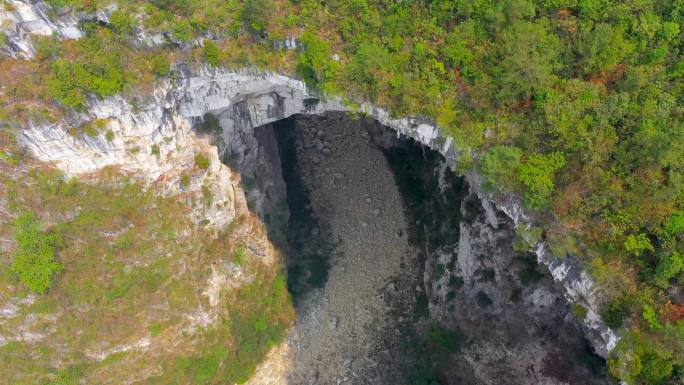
(396, 274)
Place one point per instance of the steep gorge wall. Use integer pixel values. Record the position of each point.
(241, 101)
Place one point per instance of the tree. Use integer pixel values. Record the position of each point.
(638, 244)
(255, 15)
(183, 31)
(371, 64)
(98, 68)
(625, 365)
(638, 358)
(212, 53)
(657, 366)
(537, 174)
(34, 258)
(669, 267)
(528, 60)
(500, 164)
(602, 47)
(674, 224)
(62, 85)
(122, 22)
(315, 64)
(651, 317)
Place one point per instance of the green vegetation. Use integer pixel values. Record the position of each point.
(98, 69)
(260, 318)
(3, 40)
(122, 22)
(502, 166)
(434, 352)
(34, 259)
(483, 300)
(161, 67)
(71, 375)
(315, 65)
(255, 15)
(615, 313)
(531, 271)
(438, 272)
(456, 282)
(94, 127)
(669, 267)
(439, 338)
(579, 311)
(185, 181)
(642, 362)
(154, 150)
(201, 162)
(239, 256)
(212, 54)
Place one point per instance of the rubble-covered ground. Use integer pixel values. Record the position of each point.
(399, 274)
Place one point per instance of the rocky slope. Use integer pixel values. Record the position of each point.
(143, 292)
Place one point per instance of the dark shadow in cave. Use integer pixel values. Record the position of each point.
(308, 244)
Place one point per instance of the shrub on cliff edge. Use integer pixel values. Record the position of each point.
(34, 259)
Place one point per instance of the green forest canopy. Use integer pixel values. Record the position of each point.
(576, 105)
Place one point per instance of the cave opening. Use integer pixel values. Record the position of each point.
(398, 273)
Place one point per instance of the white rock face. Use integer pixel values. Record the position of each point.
(151, 141)
(241, 101)
(21, 19)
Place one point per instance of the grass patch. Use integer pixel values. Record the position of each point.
(239, 256)
(71, 375)
(156, 328)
